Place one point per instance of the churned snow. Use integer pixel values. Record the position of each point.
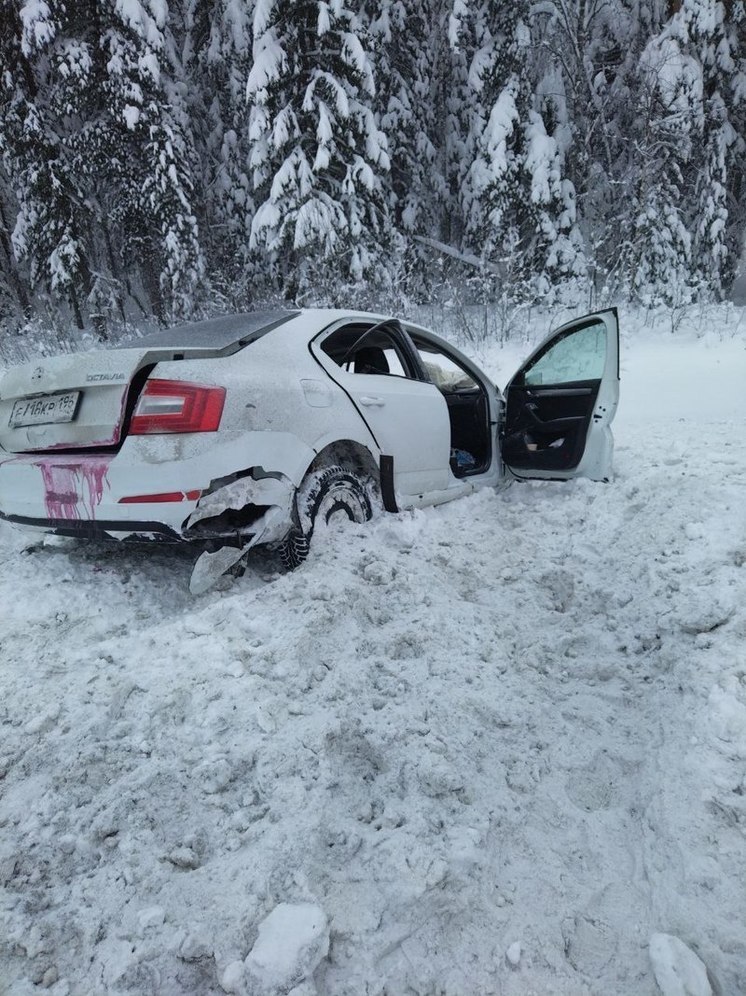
(494, 747)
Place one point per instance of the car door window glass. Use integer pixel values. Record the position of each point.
(444, 372)
(377, 353)
(394, 363)
(580, 355)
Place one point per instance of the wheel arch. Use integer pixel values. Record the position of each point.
(344, 459)
(347, 453)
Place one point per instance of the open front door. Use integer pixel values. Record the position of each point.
(560, 404)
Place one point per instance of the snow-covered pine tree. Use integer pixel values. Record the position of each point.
(220, 38)
(465, 117)
(154, 208)
(317, 153)
(50, 230)
(96, 146)
(129, 155)
(588, 54)
(411, 61)
(713, 32)
(659, 256)
(520, 206)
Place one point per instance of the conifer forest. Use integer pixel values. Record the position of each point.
(161, 159)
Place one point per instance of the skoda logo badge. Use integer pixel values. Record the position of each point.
(37, 374)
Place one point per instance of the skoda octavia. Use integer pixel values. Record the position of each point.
(249, 429)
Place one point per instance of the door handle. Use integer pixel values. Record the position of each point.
(371, 402)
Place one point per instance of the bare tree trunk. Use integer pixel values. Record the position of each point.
(10, 265)
(76, 309)
(152, 283)
(113, 266)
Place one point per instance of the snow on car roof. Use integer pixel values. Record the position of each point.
(217, 333)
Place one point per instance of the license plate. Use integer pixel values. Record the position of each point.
(45, 410)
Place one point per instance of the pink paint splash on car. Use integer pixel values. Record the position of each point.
(68, 486)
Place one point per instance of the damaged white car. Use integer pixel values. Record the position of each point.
(250, 429)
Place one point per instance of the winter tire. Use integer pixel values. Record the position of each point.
(294, 549)
(323, 496)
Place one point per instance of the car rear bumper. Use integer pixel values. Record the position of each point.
(134, 494)
(82, 495)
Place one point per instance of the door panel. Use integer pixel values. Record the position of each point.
(410, 422)
(560, 404)
(407, 416)
(546, 431)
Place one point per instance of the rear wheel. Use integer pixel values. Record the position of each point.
(325, 496)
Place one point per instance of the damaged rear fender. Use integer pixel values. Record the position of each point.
(246, 503)
(260, 502)
(236, 506)
(251, 509)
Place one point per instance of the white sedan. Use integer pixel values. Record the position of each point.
(252, 428)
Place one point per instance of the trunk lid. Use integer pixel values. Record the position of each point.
(77, 401)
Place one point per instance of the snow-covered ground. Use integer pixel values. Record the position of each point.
(496, 747)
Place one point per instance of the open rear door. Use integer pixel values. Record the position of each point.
(560, 404)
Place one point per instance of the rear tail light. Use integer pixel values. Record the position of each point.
(177, 406)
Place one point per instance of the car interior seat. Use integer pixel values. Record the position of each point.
(371, 360)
